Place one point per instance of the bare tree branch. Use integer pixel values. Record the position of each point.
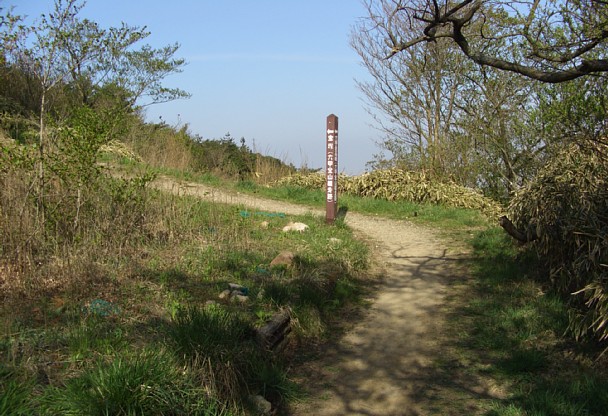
(558, 41)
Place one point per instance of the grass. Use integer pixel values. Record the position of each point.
(147, 382)
(160, 348)
(510, 330)
(213, 331)
(505, 326)
(15, 394)
(455, 221)
(119, 324)
(456, 226)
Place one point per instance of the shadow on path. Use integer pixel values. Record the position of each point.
(385, 364)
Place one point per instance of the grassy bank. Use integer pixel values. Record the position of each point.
(120, 313)
(132, 322)
(512, 332)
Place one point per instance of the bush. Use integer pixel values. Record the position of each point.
(219, 343)
(213, 332)
(402, 185)
(566, 206)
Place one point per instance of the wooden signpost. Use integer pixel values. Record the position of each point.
(331, 169)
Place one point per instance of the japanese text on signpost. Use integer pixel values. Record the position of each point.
(331, 170)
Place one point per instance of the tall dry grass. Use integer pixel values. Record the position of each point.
(54, 238)
(268, 170)
(161, 146)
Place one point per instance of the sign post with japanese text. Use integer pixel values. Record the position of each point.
(331, 169)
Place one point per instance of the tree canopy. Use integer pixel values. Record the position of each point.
(61, 49)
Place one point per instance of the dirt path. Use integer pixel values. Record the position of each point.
(383, 365)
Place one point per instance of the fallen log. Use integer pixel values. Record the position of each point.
(272, 335)
(522, 237)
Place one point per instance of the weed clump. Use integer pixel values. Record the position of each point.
(145, 383)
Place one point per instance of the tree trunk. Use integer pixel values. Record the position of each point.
(522, 237)
(41, 150)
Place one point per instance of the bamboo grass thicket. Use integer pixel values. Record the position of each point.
(403, 185)
(567, 206)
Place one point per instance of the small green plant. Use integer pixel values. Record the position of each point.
(309, 324)
(94, 335)
(246, 185)
(148, 383)
(346, 290)
(15, 395)
(278, 293)
(263, 315)
(271, 380)
(174, 304)
(213, 332)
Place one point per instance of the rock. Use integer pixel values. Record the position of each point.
(236, 295)
(285, 258)
(264, 225)
(239, 288)
(225, 294)
(261, 404)
(295, 226)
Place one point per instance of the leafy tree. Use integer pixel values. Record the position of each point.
(224, 156)
(418, 99)
(9, 32)
(63, 52)
(504, 142)
(575, 111)
(444, 114)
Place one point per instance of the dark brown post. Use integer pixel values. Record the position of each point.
(331, 169)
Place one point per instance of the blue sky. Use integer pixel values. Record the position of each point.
(267, 70)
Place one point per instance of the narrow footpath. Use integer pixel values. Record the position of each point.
(383, 365)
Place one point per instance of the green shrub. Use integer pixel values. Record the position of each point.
(271, 380)
(212, 332)
(221, 344)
